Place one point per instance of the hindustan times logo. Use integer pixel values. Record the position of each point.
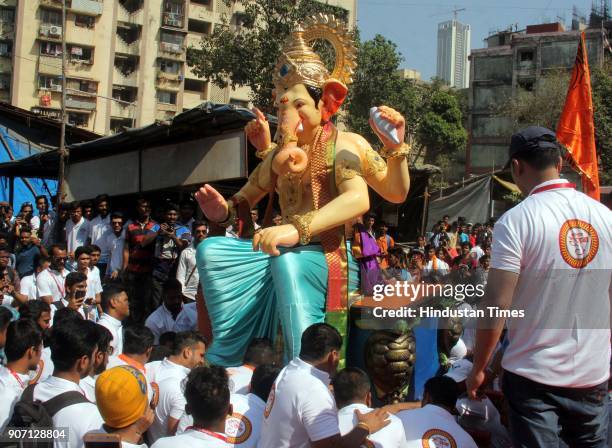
(413, 291)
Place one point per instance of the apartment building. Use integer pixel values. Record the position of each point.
(515, 60)
(125, 58)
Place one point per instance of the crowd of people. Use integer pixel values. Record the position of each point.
(100, 341)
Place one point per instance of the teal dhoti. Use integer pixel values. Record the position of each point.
(248, 293)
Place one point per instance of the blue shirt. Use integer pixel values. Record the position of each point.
(24, 260)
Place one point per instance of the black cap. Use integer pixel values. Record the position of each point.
(532, 138)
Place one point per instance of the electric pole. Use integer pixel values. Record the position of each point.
(63, 152)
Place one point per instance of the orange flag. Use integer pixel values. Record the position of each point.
(576, 129)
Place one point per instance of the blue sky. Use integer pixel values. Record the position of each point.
(412, 24)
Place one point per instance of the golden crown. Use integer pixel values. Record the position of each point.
(300, 64)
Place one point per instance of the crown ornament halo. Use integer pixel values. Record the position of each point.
(300, 64)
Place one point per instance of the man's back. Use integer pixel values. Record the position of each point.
(80, 418)
(391, 436)
(243, 427)
(435, 427)
(300, 408)
(560, 242)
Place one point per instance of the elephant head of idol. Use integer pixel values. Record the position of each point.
(306, 94)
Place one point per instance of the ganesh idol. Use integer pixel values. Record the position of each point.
(302, 271)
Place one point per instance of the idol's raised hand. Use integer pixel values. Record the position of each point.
(258, 131)
(213, 205)
(397, 120)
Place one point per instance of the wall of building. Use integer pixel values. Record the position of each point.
(499, 71)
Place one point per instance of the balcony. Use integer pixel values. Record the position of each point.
(169, 81)
(52, 3)
(49, 65)
(122, 110)
(130, 80)
(173, 20)
(89, 7)
(80, 103)
(165, 107)
(123, 15)
(202, 12)
(123, 47)
(172, 51)
(9, 3)
(84, 36)
(5, 65)
(7, 30)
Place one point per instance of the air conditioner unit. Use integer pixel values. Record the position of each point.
(55, 30)
(56, 87)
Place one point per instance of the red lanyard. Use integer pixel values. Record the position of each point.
(554, 187)
(210, 433)
(59, 288)
(16, 376)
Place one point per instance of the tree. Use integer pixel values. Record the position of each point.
(543, 107)
(601, 80)
(377, 82)
(245, 54)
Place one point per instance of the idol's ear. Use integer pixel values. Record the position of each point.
(334, 94)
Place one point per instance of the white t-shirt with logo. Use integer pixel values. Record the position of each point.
(243, 427)
(433, 426)
(80, 418)
(12, 385)
(391, 436)
(240, 379)
(193, 438)
(169, 379)
(559, 241)
(51, 283)
(300, 408)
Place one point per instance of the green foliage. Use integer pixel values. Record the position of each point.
(601, 79)
(246, 55)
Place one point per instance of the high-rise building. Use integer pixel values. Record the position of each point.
(125, 58)
(453, 51)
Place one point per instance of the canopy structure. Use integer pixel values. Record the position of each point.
(24, 134)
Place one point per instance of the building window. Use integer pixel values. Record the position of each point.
(50, 49)
(49, 82)
(7, 15)
(527, 84)
(239, 20)
(120, 124)
(124, 94)
(198, 26)
(171, 42)
(201, 2)
(526, 56)
(81, 54)
(171, 67)
(166, 97)
(84, 21)
(6, 48)
(76, 86)
(50, 17)
(194, 85)
(77, 119)
(5, 83)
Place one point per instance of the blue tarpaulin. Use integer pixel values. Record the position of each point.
(15, 147)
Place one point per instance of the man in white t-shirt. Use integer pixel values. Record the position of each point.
(434, 425)
(172, 314)
(50, 282)
(115, 309)
(243, 426)
(258, 352)
(550, 265)
(22, 350)
(187, 272)
(352, 391)
(187, 354)
(208, 401)
(73, 350)
(76, 289)
(28, 283)
(77, 230)
(100, 230)
(115, 241)
(82, 257)
(301, 411)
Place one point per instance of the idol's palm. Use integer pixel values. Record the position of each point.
(212, 203)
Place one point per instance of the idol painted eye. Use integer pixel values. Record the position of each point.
(284, 70)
